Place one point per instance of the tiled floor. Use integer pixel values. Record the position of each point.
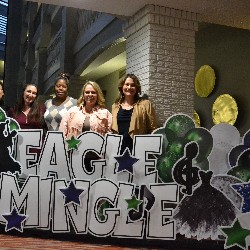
(29, 243)
(33, 241)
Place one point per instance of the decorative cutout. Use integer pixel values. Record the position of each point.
(242, 170)
(239, 149)
(232, 231)
(179, 130)
(225, 137)
(204, 81)
(133, 203)
(196, 119)
(225, 110)
(95, 201)
(184, 173)
(126, 162)
(73, 143)
(72, 194)
(14, 220)
(200, 215)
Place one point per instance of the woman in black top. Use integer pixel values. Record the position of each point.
(132, 115)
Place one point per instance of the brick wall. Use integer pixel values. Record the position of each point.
(161, 52)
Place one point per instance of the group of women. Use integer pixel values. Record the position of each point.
(131, 115)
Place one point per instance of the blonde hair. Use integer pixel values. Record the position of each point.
(100, 97)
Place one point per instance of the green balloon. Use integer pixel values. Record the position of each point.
(204, 140)
(175, 151)
(180, 124)
(2, 115)
(164, 141)
(244, 159)
(164, 166)
(240, 172)
(13, 125)
(176, 148)
(170, 134)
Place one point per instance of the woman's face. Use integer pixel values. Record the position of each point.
(61, 89)
(129, 88)
(90, 95)
(29, 94)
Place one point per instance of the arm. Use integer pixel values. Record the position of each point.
(109, 122)
(64, 123)
(151, 117)
(43, 125)
(11, 112)
(105, 121)
(114, 127)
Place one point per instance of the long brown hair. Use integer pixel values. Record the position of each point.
(35, 111)
(121, 82)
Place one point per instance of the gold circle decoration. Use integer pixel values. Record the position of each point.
(204, 81)
(224, 110)
(196, 119)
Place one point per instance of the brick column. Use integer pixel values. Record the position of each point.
(161, 52)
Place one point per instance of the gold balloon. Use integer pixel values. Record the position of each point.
(225, 110)
(204, 81)
(196, 119)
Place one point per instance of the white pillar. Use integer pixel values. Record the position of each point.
(161, 52)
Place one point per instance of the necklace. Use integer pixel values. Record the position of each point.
(127, 106)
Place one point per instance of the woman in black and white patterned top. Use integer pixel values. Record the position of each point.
(57, 107)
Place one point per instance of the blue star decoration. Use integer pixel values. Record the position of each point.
(244, 190)
(73, 143)
(126, 162)
(14, 220)
(235, 235)
(133, 203)
(72, 194)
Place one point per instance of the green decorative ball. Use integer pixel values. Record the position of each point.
(164, 166)
(180, 124)
(204, 140)
(2, 115)
(13, 125)
(240, 172)
(176, 148)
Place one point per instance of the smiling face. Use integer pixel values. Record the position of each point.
(90, 96)
(61, 89)
(129, 88)
(29, 94)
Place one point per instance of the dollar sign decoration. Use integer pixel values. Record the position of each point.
(183, 168)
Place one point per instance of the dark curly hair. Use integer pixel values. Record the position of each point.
(62, 76)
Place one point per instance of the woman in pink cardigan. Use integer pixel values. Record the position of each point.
(90, 113)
